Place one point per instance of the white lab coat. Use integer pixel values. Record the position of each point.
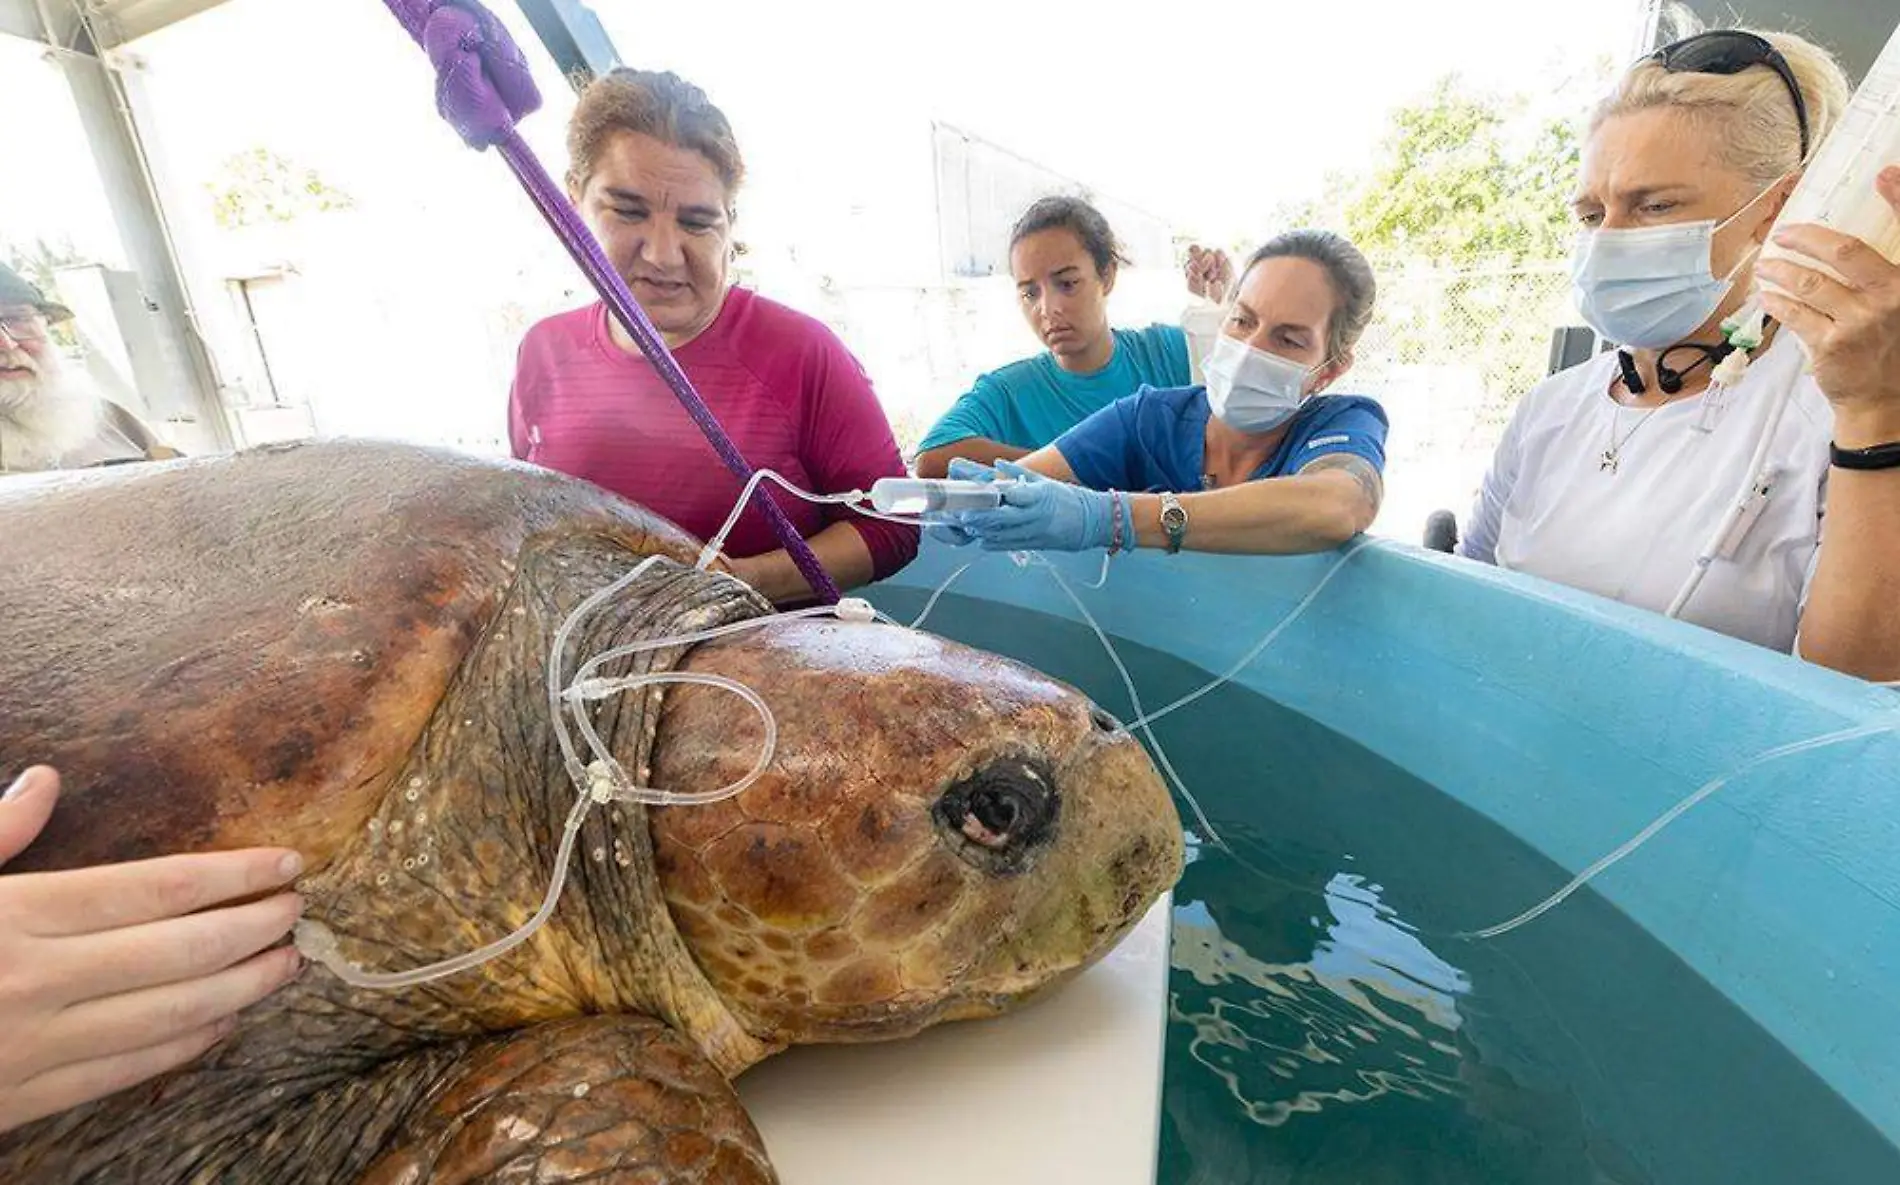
(1549, 508)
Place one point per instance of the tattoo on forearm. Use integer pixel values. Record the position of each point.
(1361, 471)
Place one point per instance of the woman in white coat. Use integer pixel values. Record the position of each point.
(1621, 475)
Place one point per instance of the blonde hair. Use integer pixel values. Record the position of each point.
(1750, 114)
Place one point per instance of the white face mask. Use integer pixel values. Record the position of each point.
(1252, 390)
(1650, 287)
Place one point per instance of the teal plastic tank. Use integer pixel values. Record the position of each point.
(1430, 748)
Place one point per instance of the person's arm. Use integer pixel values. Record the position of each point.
(1852, 331)
(139, 433)
(1050, 462)
(841, 551)
(1317, 509)
(1852, 621)
(968, 430)
(1478, 535)
(1333, 498)
(518, 426)
(116, 974)
(984, 451)
(846, 443)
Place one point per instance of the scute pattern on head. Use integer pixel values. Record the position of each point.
(829, 901)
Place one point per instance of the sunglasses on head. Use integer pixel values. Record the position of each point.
(1731, 51)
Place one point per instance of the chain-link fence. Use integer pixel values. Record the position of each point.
(1449, 354)
(1461, 345)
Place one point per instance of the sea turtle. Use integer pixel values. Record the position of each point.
(342, 647)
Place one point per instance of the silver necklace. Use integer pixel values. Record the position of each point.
(1612, 458)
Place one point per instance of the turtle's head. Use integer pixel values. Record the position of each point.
(941, 833)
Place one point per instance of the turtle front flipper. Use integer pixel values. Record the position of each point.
(607, 1098)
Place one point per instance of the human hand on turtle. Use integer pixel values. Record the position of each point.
(111, 975)
(1851, 330)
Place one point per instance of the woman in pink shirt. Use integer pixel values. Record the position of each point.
(654, 170)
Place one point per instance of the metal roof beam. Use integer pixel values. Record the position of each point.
(129, 20)
(18, 18)
(573, 34)
(109, 101)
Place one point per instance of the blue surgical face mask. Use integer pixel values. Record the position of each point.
(1650, 287)
(1252, 390)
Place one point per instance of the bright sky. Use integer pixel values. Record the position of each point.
(62, 201)
(405, 313)
(1206, 111)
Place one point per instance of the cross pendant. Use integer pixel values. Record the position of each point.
(1607, 462)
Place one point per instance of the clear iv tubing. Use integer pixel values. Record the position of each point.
(316, 941)
(1671, 815)
(1756, 475)
(1352, 549)
(605, 782)
(1583, 878)
(1134, 699)
(1622, 851)
(853, 499)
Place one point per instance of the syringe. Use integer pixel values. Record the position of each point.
(924, 495)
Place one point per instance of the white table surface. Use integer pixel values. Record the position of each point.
(1066, 1090)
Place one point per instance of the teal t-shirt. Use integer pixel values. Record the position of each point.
(1028, 404)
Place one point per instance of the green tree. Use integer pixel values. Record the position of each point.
(1459, 181)
(258, 186)
(1464, 212)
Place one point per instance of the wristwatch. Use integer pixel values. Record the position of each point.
(1173, 521)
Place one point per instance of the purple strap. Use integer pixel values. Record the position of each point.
(483, 85)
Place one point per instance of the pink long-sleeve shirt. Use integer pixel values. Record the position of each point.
(786, 390)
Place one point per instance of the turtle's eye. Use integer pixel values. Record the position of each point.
(1000, 815)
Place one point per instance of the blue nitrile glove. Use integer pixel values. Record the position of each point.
(1038, 514)
(948, 528)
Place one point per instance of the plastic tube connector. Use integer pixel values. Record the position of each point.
(855, 609)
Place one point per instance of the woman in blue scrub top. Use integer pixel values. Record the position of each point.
(1064, 258)
(1256, 461)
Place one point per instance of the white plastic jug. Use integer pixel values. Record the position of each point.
(1837, 191)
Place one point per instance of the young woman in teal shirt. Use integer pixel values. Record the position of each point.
(1064, 258)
